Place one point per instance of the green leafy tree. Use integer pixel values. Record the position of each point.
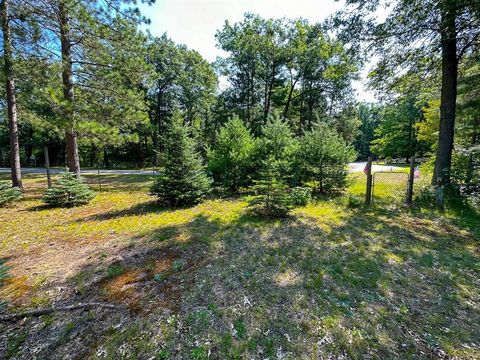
(230, 158)
(346, 123)
(257, 53)
(466, 155)
(96, 45)
(395, 136)
(68, 191)
(369, 116)
(183, 180)
(182, 79)
(467, 138)
(419, 37)
(284, 65)
(36, 119)
(427, 130)
(323, 158)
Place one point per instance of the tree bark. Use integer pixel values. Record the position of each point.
(73, 160)
(289, 99)
(448, 98)
(47, 166)
(156, 126)
(268, 93)
(16, 173)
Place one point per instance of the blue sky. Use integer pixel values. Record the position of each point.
(195, 22)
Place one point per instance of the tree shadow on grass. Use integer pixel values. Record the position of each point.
(114, 182)
(148, 207)
(145, 279)
(139, 209)
(379, 284)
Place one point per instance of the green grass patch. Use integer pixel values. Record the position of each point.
(334, 279)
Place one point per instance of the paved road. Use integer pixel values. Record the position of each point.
(353, 167)
(84, 171)
(359, 166)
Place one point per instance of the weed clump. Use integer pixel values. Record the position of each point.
(301, 196)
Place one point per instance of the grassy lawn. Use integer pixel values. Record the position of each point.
(334, 280)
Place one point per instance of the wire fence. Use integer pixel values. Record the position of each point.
(389, 185)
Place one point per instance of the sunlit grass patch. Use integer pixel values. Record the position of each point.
(388, 186)
(14, 288)
(330, 280)
(110, 214)
(288, 278)
(326, 214)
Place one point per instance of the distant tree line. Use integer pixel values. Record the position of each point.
(97, 90)
(81, 78)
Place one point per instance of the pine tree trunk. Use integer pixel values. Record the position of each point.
(11, 100)
(441, 175)
(289, 99)
(155, 135)
(73, 160)
(156, 125)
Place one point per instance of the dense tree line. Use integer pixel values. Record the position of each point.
(296, 69)
(286, 65)
(82, 79)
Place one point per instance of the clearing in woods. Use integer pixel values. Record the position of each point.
(334, 280)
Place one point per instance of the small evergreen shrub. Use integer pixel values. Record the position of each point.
(230, 160)
(8, 194)
(68, 191)
(323, 157)
(4, 275)
(272, 198)
(300, 196)
(278, 143)
(184, 180)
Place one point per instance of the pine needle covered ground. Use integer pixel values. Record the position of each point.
(334, 280)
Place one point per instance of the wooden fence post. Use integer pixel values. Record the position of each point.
(98, 176)
(368, 193)
(47, 166)
(411, 177)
